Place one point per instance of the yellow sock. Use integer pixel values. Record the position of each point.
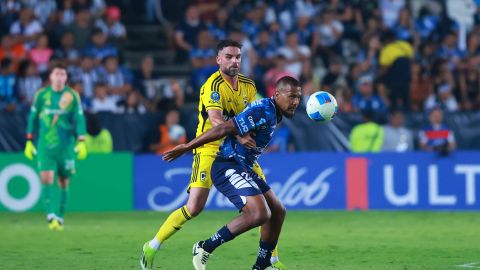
(173, 223)
(275, 251)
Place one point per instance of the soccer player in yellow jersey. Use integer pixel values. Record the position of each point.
(225, 94)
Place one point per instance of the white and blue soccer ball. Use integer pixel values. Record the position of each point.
(321, 106)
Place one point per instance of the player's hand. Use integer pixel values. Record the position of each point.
(247, 141)
(175, 152)
(81, 149)
(30, 150)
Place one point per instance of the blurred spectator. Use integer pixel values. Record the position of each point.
(420, 87)
(249, 57)
(187, 31)
(365, 98)
(470, 87)
(437, 137)
(253, 23)
(102, 102)
(327, 40)
(266, 52)
(8, 49)
(112, 27)
(281, 11)
(282, 140)
(203, 59)
(29, 81)
(396, 137)
(343, 95)
(395, 69)
(86, 101)
(8, 93)
(367, 137)
(157, 93)
(97, 139)
(99, 49)
(117, 79)
(335, 76)
(87, 76)
(390, 10)
(26, 29)
(220, 27)
(278, 71)
(43, 9)
(207, 8)
(171, 134)
(131, 105)
(295, 54)
(448, 51)
(41, 54)
(67, 14)
(67, 51)
(442, 98)
(9, 10)
(81, 28)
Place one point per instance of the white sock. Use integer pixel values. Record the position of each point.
(60, 219)
(154, 244)
(51, 216)
(273, 259)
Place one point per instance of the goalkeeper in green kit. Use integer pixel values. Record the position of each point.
(56, 116)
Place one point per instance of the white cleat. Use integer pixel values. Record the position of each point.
(200, 257)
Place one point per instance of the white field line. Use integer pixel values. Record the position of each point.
(470, 265)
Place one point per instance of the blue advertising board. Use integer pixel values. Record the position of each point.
(411, 181)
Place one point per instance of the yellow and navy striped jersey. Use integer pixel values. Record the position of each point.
(218, 94)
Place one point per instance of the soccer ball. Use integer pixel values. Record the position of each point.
(321, 106)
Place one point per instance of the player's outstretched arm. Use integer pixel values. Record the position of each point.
(213, 134)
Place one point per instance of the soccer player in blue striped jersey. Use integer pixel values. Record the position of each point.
(232, 173)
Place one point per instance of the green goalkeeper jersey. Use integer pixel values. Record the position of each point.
(57, 117)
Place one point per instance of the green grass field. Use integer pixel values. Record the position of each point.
(310, 240)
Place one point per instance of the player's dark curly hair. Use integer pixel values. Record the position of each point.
(227, 43)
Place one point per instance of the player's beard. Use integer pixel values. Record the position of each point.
(232, 72)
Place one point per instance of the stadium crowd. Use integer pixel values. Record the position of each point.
(381, 55)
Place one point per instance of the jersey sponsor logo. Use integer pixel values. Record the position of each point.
(215, 97)
(250, 119)
(203, 176)
(243, 125)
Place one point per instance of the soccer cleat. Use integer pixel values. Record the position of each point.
(200, 257)
(280, 265)
(53, 224)
(148, 253)
(60, 224)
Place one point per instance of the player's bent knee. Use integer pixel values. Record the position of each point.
(194, 209)
(261, 217)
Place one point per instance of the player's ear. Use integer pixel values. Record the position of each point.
(218, 59)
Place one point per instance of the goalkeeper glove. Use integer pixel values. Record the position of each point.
(30, 150)
(81, 149)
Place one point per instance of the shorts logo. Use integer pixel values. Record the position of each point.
(215, 96)
(203, 176)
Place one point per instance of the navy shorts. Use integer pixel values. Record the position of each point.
(236, 182)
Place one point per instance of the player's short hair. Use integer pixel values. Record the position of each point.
(227, 43)
(59, 66)
(287, 80)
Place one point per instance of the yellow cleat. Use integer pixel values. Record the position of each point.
(53, 224)
(279, 265)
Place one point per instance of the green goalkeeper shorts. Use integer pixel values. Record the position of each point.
(61, 161)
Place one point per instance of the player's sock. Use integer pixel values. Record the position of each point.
(47, 199)
(63, 201)
(274, 258)
(173, 223)
(220, 237)
(154, 243)
(264, 254)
